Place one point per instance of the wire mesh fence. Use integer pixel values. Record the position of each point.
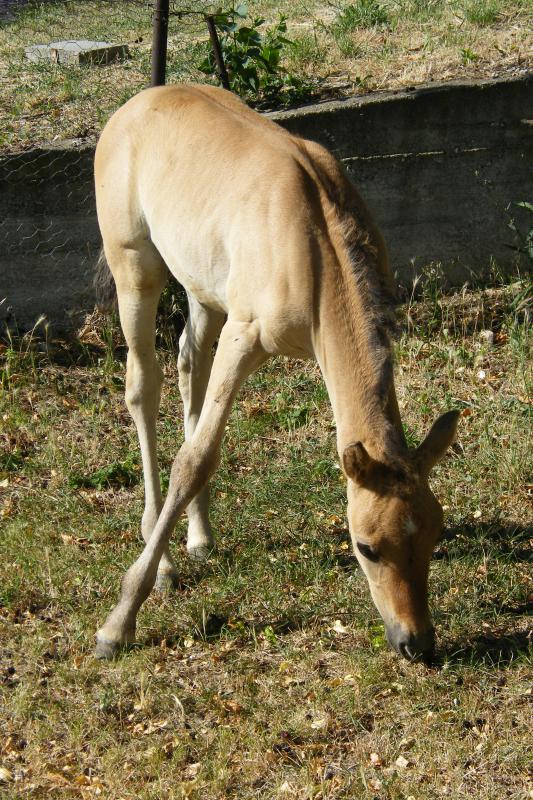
(64, 68)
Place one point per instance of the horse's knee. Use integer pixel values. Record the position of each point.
(143, 383)
(191, 470)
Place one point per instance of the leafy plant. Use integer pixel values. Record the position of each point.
(252, 58)
(290, 415)
(468, 55)
(481, 12)
(11, 462)
(121, 473)
(525, 245)
(363, 14)
(20, 356)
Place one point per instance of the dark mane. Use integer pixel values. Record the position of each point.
(372, 302)
(364, 294)
(361, 249)
(369, 265)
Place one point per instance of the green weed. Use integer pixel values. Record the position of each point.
(121, 473)
(253, 59)
(481, 12)
(523, 234)
(363, 14)
(468, 55)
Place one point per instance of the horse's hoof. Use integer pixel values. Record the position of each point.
(199, 553)
(107, 650)
(166, 582)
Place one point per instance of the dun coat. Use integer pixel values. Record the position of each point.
(278, 254)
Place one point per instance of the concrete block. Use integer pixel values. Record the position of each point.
(80, 51)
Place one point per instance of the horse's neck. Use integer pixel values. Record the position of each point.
(356, 362)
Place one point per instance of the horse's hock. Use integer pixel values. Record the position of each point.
(442, 167)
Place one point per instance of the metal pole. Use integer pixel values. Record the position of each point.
(217, 52)
(159, 41)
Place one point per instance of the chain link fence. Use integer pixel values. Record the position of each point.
(65, 67)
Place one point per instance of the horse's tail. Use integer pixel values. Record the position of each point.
(104, 285)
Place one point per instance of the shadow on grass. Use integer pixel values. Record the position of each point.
(490, 650)
(218, 626)
(505, 537)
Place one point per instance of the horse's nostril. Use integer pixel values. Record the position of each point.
(406, 651)
(412, 646)
(418, 648)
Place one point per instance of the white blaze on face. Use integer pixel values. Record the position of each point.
(410, 526)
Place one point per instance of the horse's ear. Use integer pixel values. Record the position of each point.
(440, 437)
(357, 463)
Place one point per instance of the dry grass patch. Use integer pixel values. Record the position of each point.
(337, 50)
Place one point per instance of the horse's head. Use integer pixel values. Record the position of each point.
(395, 522)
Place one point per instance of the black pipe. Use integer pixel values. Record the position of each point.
(217, 52)
(159, 42)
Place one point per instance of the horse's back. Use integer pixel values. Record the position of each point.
(210, 182)
(234, 204)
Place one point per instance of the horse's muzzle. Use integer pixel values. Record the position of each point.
(413, 647)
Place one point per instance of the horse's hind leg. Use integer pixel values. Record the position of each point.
(140, 275)
(194, 364)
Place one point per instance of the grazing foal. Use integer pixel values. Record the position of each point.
(278, 255)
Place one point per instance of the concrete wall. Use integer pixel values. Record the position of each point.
(49, 237)
(439, 165)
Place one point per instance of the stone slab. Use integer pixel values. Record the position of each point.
(79, 51)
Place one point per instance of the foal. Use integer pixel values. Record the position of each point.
(278, 255)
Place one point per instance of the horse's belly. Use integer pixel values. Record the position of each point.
(202, 270)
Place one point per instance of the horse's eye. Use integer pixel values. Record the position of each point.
(367, 551)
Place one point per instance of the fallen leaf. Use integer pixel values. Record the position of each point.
(192, 770)
(351, 680)
(402, 762)
(82, 780)
(56, 777)
(290, 681)
(12, 745)
(5, 775)
(286, 787)
(407, 743)
(232, 706)
(338, 627)
(81, 541)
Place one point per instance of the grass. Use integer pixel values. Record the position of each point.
(339, 48)
(267, 674)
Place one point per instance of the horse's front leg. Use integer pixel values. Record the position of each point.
(239, 352)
